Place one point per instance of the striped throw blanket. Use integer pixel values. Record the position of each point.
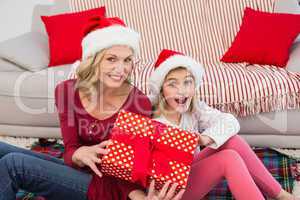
(205, 30)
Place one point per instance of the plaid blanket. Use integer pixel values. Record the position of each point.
(278, 164)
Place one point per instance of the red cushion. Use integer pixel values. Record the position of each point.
(264, 38)
(65, 33)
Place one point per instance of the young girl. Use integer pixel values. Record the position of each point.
(173, 89)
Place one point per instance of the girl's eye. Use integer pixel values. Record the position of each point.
(188, 82)
(111, 59)
(171, 84)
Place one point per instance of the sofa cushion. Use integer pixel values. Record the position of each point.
(61, 6)
(81, 5)
(29, 51)
(6, 66)
(16, 16)
(65, 32)
(27, 98)
(37, 24)
(264, 38)
(272, 123)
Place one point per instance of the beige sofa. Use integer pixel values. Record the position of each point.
(27, 99)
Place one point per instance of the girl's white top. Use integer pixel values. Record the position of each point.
(208, 121)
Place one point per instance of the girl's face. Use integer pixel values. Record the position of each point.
(116, 66)
(178, 90)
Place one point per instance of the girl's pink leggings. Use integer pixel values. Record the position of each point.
(238, 164)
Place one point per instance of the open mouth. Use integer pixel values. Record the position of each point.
(182, 100)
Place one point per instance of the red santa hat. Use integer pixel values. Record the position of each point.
(103, 32)
(167, 61)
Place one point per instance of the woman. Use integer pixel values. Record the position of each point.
(88, 107)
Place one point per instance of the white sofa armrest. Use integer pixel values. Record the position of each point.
(294, 61)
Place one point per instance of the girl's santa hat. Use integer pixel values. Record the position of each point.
(103, 32)
(167, 61)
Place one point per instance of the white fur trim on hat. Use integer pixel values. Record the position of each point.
(158, 76)
(106, 37)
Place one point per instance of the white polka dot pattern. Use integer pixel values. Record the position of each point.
(119, 162)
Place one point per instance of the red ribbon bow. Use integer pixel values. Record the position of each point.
(149, 153)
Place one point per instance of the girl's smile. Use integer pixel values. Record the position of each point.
(181, 100)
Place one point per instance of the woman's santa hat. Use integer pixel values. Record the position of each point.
(103, 32)
(167, 61)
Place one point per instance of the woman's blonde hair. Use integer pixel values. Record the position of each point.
(159, 107)
(88, 75)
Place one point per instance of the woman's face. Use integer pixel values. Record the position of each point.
(116, 66)
(178, 90)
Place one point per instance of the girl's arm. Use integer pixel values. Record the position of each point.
(217, 125)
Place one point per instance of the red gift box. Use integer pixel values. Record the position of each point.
(143, 149)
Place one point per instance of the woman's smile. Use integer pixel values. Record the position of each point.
(116, 77)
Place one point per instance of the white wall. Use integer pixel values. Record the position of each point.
(16, 16)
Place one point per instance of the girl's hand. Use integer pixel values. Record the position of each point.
(205, 140)
(164, 193)
(88, 156)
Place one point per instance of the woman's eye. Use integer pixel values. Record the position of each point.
(128, 60)
(111, 59)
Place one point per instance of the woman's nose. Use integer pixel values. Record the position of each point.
(119, 67)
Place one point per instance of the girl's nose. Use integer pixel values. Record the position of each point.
(181, 89)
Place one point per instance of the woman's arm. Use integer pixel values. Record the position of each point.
(219, 126)
(67, 119)
(75, 155)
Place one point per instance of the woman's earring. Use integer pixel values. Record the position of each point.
(128, 79)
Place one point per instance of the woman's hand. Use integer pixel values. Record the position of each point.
(164, 193)
(88, 156)
(205, 140)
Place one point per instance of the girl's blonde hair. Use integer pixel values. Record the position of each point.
(159, 107)
(88, 75)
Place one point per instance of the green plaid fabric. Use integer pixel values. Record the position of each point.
(278, 164)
